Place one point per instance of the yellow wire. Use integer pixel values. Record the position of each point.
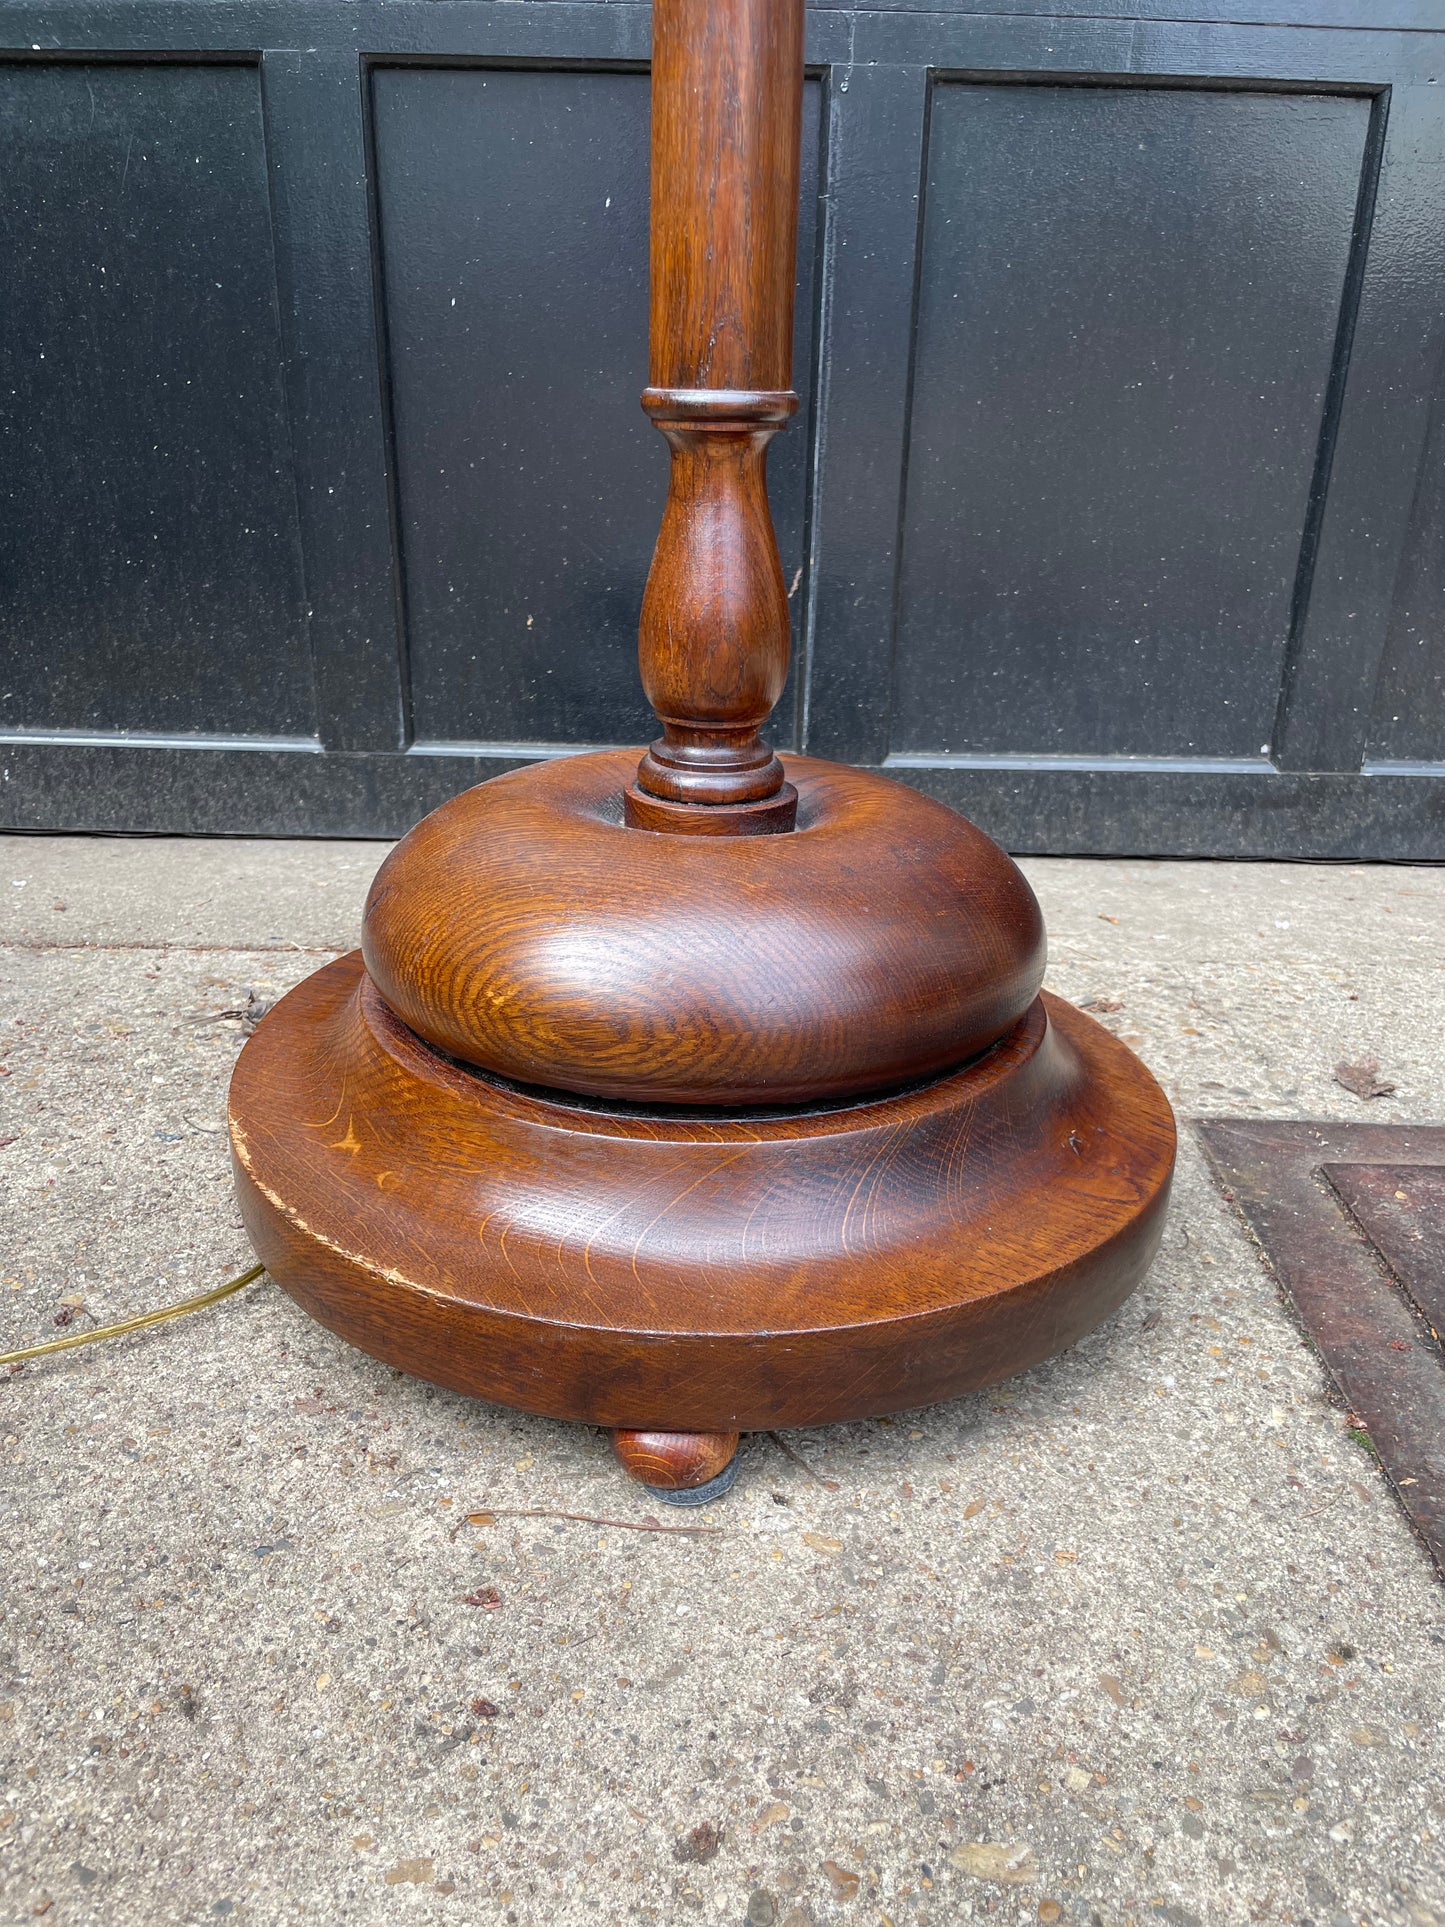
(134, 1324)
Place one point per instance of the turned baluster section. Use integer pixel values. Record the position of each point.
(727, 80)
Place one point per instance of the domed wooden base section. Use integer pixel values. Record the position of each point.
(524, 929)
(685, 1271)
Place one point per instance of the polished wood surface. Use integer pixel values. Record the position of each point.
(710, 1273)
(713, 1092)
(675, 1461)
(727, 89)
(763, 816)
(713, 642)
(522, 929)
(727, 92)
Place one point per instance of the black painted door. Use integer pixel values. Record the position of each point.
(1114, 513)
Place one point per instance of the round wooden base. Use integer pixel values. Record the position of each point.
(688, 1270)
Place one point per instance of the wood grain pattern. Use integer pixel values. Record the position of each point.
(474, 1156)
(704, 1273)
(763, 816)
(675, 1461)
(713, 641)
(522, 929)
(727, 90)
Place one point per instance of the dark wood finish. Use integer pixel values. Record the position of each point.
(1373, 1340)
(639, 1268)
(528, 506)
(727, 90)
(509, 1147)
(521, 928)
(727, 94)
(675, 1461)
(766, 817)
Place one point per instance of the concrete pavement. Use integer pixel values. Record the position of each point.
(1141, 1636)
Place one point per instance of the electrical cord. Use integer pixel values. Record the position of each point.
(141, 1323)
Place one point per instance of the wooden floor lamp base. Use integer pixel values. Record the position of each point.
(710, 1090)
(707, 1272)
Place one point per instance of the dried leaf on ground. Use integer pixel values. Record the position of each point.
(1012, 1866)
(770, 1816)
(820, 1542)
(699, 1846)
(1363, 1078)
(843, 1883)
(487, 1597)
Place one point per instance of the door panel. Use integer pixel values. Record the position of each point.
(148, 546)
(1409, 723)
(1113, 515)
(1127, 312)
(513, 217)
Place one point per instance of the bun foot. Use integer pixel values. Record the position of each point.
(680, 1468)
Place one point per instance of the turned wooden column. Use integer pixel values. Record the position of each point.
(727, 81)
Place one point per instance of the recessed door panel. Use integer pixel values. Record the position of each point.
(1127, 313)
(148, 546)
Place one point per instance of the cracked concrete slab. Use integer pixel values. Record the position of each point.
(1140, 1636)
